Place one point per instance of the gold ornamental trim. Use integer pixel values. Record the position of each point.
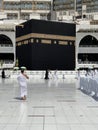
(63, 42)
(46, 41)
(45, 36)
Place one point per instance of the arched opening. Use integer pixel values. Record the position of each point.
(87, 58)
(7, 58)
(88, 41)
(5, 41)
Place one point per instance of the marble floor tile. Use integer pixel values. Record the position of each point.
(49, 106)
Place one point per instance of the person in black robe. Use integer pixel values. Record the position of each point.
(3, 73)
(47, 74)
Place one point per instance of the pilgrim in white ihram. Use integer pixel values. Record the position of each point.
(22, 79)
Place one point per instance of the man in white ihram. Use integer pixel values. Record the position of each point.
(22, 79)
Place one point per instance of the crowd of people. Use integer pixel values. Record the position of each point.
(22, 80)
(23, 77)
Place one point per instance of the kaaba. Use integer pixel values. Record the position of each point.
(42, 45)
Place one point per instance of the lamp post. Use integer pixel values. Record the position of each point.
(19, 11)
(74, 9)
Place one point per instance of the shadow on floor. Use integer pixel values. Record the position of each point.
(18, 98)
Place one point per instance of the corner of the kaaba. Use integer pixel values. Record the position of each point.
(42, 45)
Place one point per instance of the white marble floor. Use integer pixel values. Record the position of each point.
(51, 105)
